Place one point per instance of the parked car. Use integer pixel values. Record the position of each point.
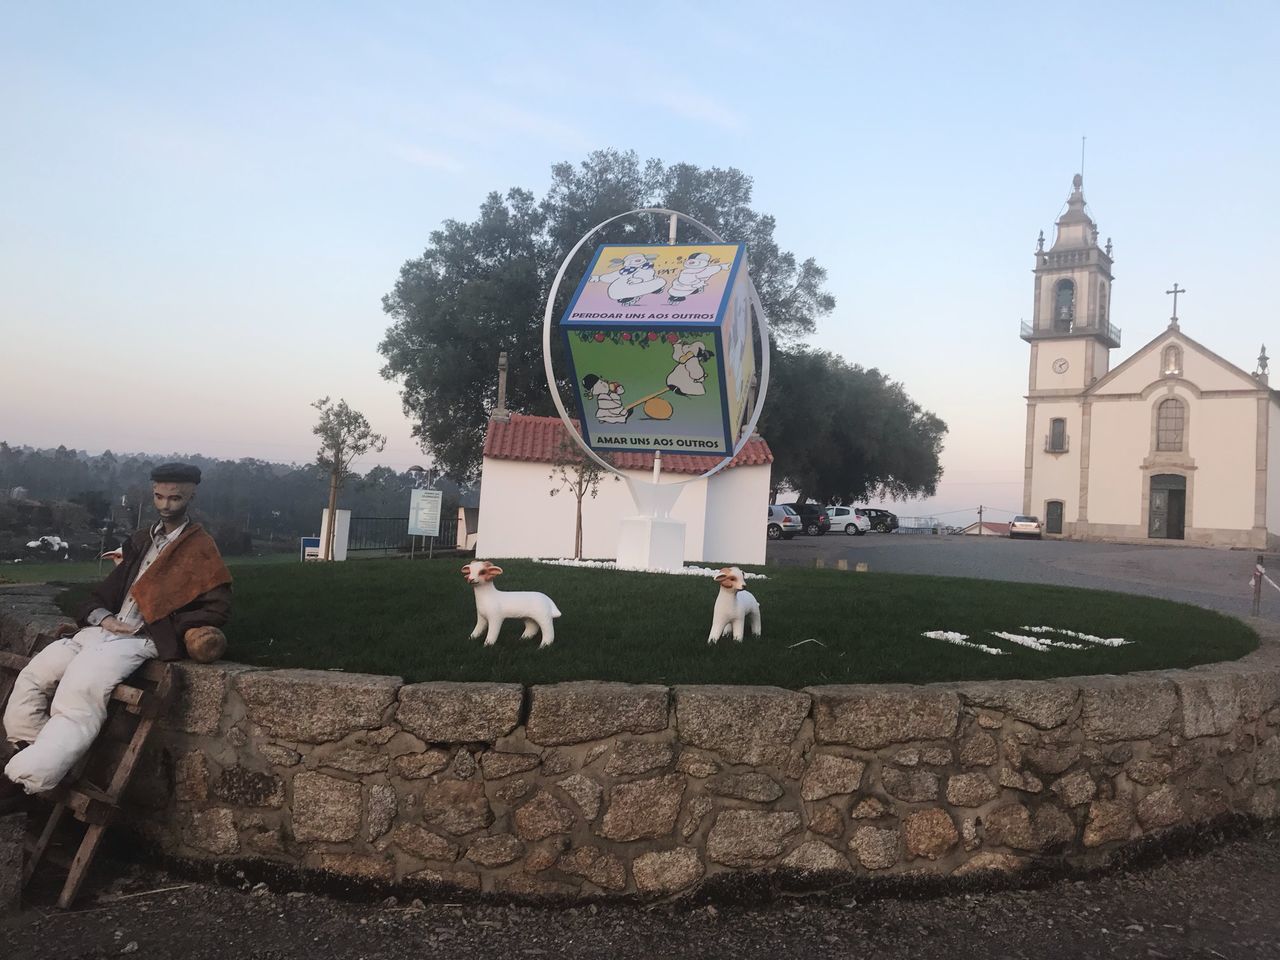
(849, 519)
(814, 517)
(1025, 527)
(784, 522)
(881, 520)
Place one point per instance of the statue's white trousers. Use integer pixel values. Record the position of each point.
(79, 674)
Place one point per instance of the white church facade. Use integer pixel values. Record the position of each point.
(1173, 443)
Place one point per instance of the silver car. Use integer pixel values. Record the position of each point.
(1025, 527)
(784, 522)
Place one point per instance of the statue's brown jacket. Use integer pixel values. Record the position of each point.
(187, 586)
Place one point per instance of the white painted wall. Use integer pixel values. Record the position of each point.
(1101, 359)
(1273, 469)
(1119, 440)
(1074, 352)
(736, 511)
(1223, 440)
(520, 518)
(1056, 476)
(1208, 374)
(1221, 434)
(1144, 370)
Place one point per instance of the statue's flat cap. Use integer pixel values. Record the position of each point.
(176, 473)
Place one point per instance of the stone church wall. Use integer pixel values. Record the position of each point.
(603, 789)
(1273, 478)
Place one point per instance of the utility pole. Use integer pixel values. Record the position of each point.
(981, 528)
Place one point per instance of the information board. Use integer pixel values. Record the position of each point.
(424, 513)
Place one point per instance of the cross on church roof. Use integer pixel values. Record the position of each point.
(1175, 291)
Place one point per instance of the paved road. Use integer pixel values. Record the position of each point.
(1217, 904)
(1214, 578)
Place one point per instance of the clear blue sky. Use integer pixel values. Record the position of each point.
(201, 207)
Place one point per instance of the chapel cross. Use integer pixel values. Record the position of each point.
(1175, 291)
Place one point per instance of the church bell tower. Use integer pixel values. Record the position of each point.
(1071, 333)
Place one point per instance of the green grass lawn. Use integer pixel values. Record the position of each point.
(413, 620)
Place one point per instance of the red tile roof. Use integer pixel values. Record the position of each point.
(538, 439)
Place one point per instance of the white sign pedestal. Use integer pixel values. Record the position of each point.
(652, 540)
(651, 543)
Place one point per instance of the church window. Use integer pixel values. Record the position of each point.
(1170, 418)
(1102, 303)
(1172, 364)
(1057, 435)
(1064, 305)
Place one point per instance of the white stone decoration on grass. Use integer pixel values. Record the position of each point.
(693, 571)
(1086, 637)
(1040, 644)
(962, 640)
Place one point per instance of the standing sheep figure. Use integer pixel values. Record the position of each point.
(733, 606)
(492, 606)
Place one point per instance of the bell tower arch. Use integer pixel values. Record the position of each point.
(1071, 315)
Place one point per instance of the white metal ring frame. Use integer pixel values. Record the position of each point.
(762, 323)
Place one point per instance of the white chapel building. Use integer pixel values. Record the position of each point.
(1173, 443)
(725, 516)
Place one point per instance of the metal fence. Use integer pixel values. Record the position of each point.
(388, 535)
(929, 525)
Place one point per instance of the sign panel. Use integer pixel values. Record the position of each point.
(424, 513)
(659, 337)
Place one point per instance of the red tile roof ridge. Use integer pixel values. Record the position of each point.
(540, 439)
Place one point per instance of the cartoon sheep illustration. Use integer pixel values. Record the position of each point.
(687, 377)
(697, 270)
(634, 278)
(608, 397)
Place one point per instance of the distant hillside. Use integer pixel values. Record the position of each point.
(246, 503)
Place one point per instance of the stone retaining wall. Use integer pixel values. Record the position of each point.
(603, 789)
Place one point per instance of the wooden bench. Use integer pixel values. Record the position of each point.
(145, 695)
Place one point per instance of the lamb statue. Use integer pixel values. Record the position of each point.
(492, 606)
(733, 606)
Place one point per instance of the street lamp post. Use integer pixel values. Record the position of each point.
(127, 507)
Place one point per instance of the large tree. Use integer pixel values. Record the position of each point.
(480, 287)
(841, 432)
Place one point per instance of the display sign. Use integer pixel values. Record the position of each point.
(424, 513)
(659, 338)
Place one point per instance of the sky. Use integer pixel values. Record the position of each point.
(201, 206)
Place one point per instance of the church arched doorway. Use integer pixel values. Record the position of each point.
(1167, 520)
(1053, 516)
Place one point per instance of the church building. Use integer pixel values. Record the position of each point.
(1173, 443)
